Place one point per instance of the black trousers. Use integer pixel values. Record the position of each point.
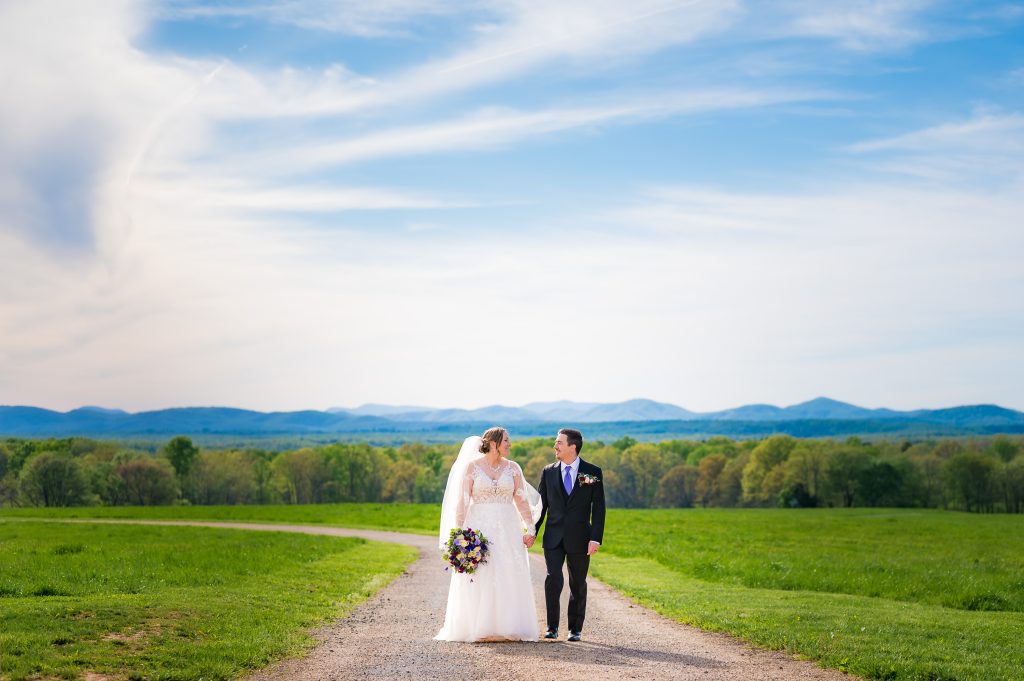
(579, 563)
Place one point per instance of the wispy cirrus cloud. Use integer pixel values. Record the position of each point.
(861, 24)
(988, 147)
(376, 19)
(496, 128)
(983, 132)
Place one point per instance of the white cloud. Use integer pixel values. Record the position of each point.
(987, 148)
(379, 18)
(862, 25)
(496, 128)
(76, 100)
(984, 132)
(1015, 77)
(594, 33)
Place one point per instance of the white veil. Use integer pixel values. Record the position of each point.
(456, 487)
(534, 500)
(455, 490)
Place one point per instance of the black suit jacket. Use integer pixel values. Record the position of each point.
(574, 520)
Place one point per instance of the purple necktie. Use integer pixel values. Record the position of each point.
(568, 480)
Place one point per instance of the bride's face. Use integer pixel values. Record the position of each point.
(506, 444)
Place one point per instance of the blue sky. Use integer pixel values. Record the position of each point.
(288, 205)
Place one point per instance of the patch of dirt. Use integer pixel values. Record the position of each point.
(96, 676)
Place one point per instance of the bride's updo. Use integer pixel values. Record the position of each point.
(492, 435)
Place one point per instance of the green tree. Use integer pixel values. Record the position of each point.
(263, 475)
(1013, 485)
(400, 483)
(624, 443)
(806, 467)
(713, 445)
(49, 479)
(925, 475)
(709, 471)
(428, 488)
(1004, 448)
(148, 481)
(106, 483)
(640, 470)
(532, 469)
(760, 486)
(842, 476)
(8, 490)
(677, 488)
(730, 482)
(182, 454)
(299, 475)
(879, 484)
(358, 470)
(796, 495)
(225, 478)
(947, 449)
(970, 477)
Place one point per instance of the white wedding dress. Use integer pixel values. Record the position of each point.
(496, 601)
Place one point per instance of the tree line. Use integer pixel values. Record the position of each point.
(973, 474)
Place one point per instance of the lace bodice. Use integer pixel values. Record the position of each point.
(487, 490)
(503, 485)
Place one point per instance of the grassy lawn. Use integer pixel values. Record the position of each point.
(883, 593)
(172, 602)
(958, 560)
(871, 637)
(890, 594)
(414, 518)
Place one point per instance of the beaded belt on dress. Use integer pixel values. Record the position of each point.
(492, 499)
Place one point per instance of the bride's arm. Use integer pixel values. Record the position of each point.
(463, 503)
(520, 500)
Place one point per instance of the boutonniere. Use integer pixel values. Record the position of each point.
(587, 479)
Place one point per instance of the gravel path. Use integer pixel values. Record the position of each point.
(391, 636)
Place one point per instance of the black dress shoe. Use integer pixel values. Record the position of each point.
(551, 633)
(574, 636)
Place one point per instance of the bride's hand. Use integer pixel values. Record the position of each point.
(528, 540)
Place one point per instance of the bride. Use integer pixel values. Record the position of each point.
(487, 492)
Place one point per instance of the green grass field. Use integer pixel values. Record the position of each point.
(882, 593)
(172, 602)
(414, 518)
(885, 594)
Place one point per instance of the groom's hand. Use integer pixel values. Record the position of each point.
(528, 540)
(592, 548)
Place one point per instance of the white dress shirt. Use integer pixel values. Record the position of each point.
(574, 467)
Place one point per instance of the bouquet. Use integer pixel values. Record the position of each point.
(465, 550)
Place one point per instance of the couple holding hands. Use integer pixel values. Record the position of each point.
(487, 492)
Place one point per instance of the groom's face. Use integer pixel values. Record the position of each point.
(563, 451)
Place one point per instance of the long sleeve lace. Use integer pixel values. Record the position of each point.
(519, 498)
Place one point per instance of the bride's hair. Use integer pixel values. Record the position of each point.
(495, 435)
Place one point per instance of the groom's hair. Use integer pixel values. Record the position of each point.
(573, 437)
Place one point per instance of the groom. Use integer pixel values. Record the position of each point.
(572, 497)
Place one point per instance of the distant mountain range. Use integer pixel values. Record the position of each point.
(822, 408)
(818, 417)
